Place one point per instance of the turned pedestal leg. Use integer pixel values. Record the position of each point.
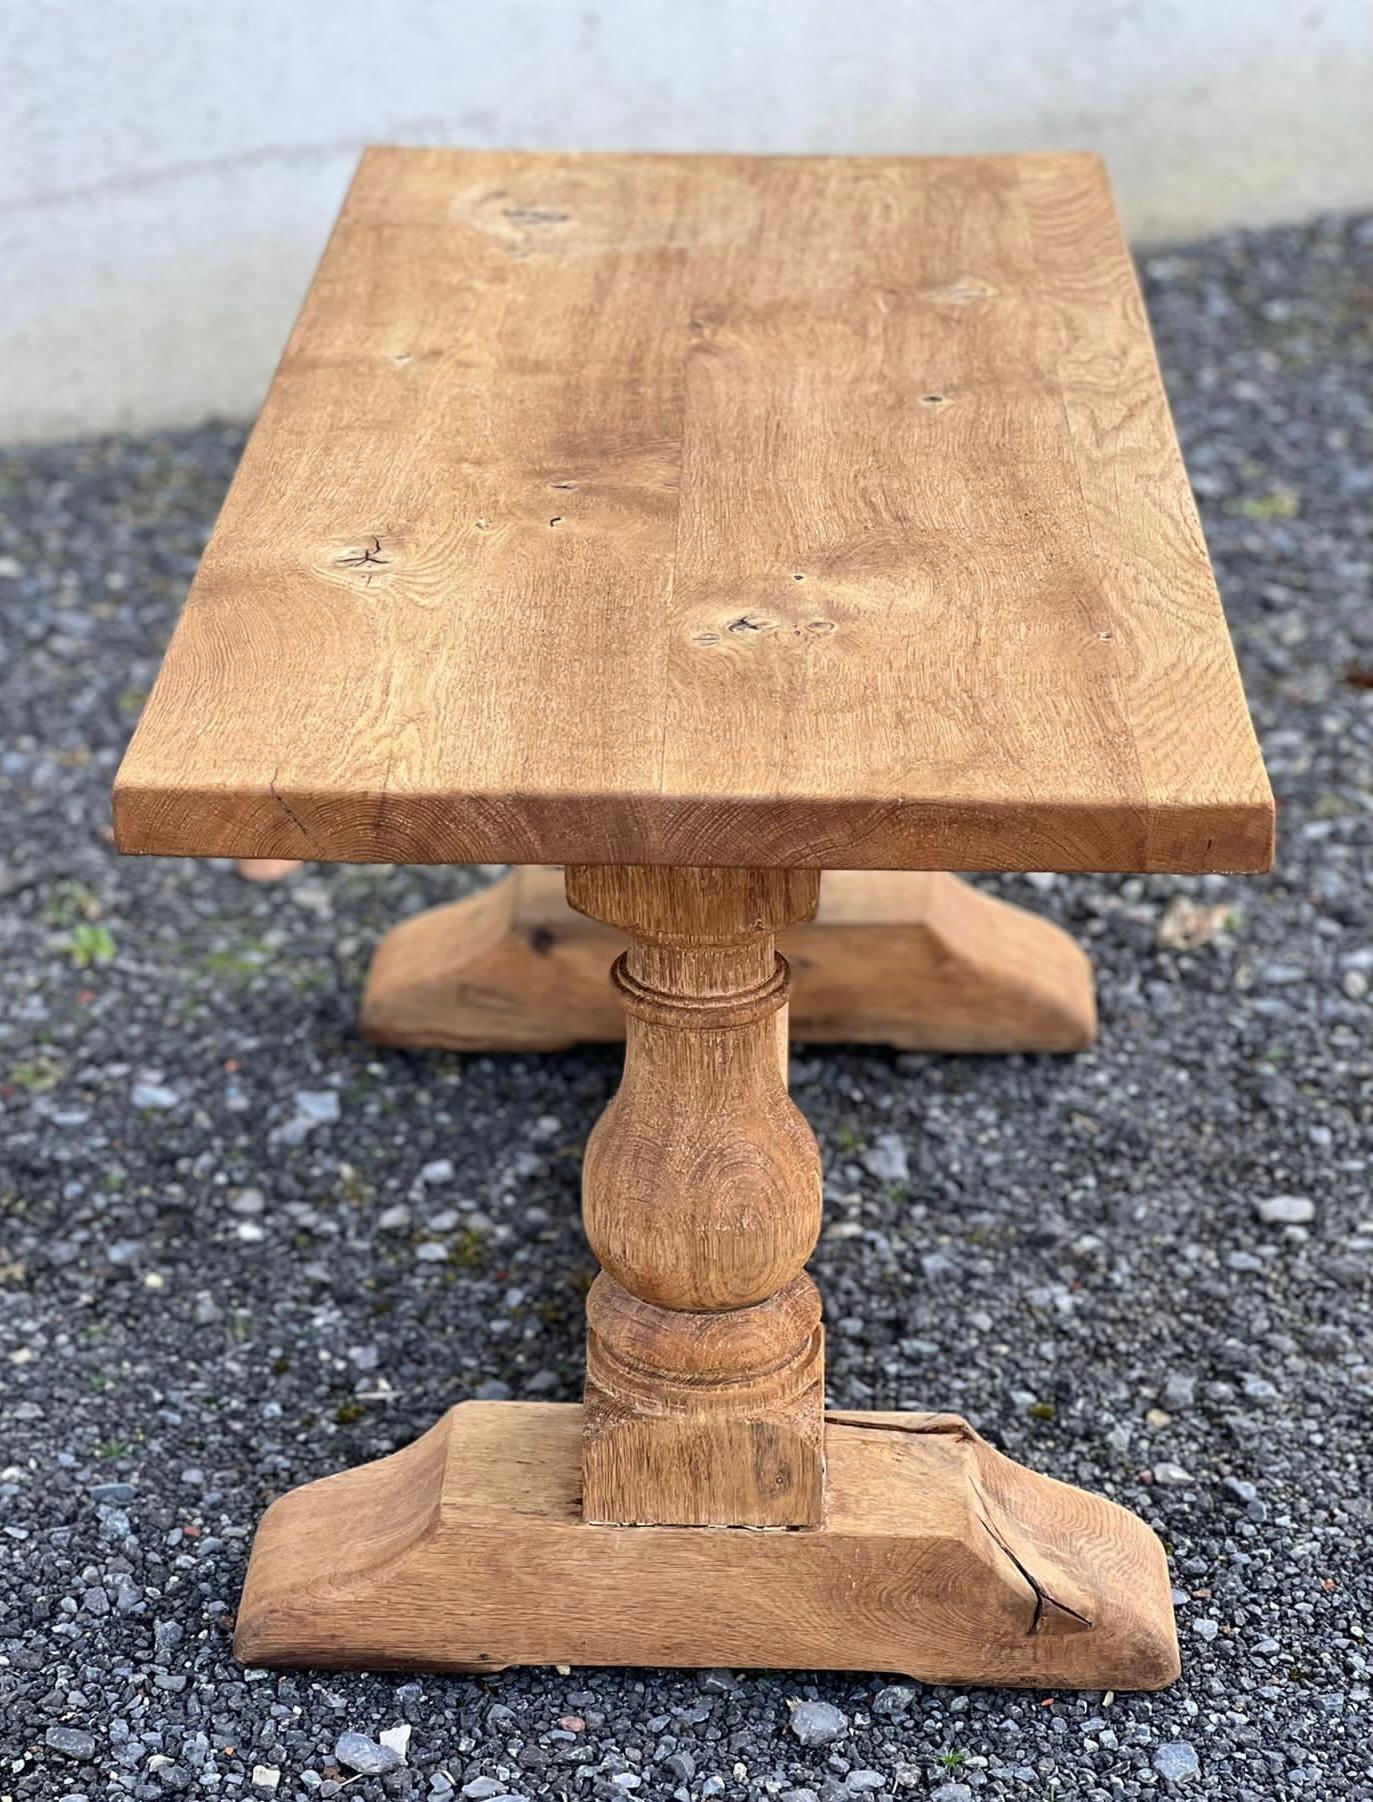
(701, 1198)
(625, 1531)
(911, 958)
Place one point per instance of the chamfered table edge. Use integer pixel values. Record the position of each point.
(1181, 838)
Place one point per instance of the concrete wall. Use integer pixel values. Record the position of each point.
(173, 165)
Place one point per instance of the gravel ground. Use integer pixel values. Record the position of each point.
(219, 1210)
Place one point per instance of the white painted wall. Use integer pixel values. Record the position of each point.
(173, 165)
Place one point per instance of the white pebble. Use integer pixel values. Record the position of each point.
(1171, 1476)
(319, 1106)
(397, 1738)
(155, 1097)
(1285, 1210)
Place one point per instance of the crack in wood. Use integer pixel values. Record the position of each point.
(949, 1426)
(370, 553)
(1043, 1596)
(953, 1426)
(286, 808)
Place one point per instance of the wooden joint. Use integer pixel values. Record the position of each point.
(693, 907)
(724, 1351)
(704, 1419)
(700, 1012)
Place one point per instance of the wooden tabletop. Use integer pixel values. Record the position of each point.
(710, 510)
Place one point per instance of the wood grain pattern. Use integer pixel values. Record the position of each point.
(701, 1199)
(910, 958)
(938, 1557)
(704, 1420)
(710, 511)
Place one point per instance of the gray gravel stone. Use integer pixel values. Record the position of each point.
(894, 1699)
(817, 1723)
(1179, 1392)
(886, 1159)
(71, 1742)
(1177, 1761)
(112, 1492)
(358, 1752)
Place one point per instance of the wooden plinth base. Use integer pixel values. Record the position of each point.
(913, 959)
(938, 1558)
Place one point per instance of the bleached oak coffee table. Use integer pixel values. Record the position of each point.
(702, 524)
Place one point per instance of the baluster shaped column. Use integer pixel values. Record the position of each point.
(701, 1199)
